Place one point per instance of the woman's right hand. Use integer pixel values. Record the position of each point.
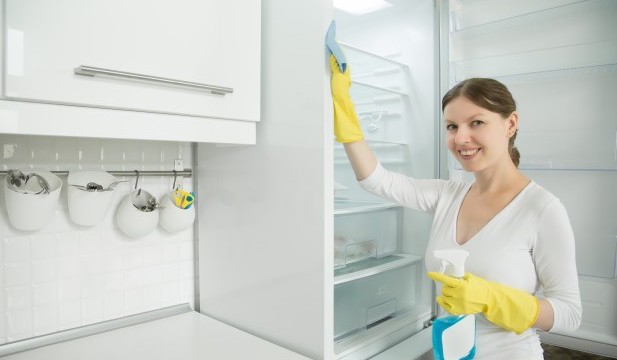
(347, 127)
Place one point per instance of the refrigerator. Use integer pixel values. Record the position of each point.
(293, 251)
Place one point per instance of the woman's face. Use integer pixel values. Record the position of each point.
(478, 138)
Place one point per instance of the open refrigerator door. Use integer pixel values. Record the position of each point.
(381, 293)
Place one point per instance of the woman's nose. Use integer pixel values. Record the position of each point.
(462, 136)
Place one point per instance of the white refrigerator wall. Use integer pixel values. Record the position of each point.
(65, 275)
(559, 59)
(266, 210)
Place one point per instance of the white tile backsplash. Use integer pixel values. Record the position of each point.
(18, 298)
(45, 294)
(17, 274)
(66, 275)
(44, 270)
(45, 319)
(19, 324)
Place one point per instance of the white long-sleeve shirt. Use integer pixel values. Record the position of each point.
(528, 245)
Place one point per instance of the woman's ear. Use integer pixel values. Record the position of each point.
(512, 123)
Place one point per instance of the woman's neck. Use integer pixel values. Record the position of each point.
(500, 178)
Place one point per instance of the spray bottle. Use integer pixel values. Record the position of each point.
(454, 336)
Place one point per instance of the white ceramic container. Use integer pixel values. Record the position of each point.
(132, 221)
(88, 208)
(173, 218)
(30, 212)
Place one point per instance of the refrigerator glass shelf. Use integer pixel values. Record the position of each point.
(360, 60)
(491, 22)
(362, 90)
(549, 167)
(376, 145)
(344, 206)
(406, 324)
(373, 266)
(537, 61)
(383, 161)
(556, 74)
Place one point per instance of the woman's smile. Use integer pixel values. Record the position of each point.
(468, 154)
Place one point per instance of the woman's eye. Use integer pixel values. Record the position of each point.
(477, 123)
(450, 127)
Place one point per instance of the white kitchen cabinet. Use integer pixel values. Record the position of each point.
(187, 57)
(193, 41)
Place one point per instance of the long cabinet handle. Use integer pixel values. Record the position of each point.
(94, 71)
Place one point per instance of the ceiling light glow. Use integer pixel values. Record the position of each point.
(361, 7)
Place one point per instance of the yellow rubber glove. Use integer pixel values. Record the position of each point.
(512, 309)
(346, 125)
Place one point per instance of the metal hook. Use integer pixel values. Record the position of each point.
(175, 176)
(136, 181)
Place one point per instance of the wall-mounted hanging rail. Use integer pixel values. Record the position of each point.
(185, 172)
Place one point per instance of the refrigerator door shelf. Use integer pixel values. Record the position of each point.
(353, 252)
(345, 207)
(363, 344)
(369, 301)
(373, 266)
(393, 153)
(368, 60)
(370, 68)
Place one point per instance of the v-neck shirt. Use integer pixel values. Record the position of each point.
(461, 200)
(528, 245)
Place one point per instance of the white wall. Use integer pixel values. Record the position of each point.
(65, 275)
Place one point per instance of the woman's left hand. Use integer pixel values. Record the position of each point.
(512, 309)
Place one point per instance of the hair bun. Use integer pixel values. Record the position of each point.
(515, 155)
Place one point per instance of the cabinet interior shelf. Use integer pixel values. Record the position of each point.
(373, 266)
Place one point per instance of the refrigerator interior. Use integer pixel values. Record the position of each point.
(380, 285)
(559, 59)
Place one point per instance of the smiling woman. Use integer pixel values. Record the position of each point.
(517, 234)
(484, 102)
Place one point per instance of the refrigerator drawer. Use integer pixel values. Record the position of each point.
(369, 301)
(364, 234)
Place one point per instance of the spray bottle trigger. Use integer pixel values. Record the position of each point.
(444, 265)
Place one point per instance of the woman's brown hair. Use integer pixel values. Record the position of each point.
(491, 95)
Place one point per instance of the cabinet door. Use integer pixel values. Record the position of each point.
(177, 46)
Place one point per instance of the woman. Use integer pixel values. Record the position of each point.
(517, 234)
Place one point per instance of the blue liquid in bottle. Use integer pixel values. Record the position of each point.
(439, 326)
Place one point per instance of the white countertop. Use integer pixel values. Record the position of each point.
(184, 337)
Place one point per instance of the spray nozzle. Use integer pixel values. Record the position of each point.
(452, 261)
